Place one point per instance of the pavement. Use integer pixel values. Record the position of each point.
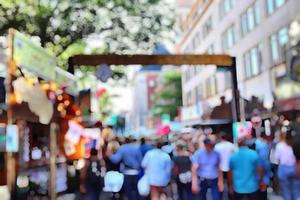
(271, 196)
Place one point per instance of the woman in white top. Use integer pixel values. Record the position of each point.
(289, 182)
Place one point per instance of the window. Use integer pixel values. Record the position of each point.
(211, 49)
(207, 27)
(250, 18)
(195, 72)
(228, 38)
(253, 61)
(189, 98)
(187, 75)
(278, 42)
(225, 7)
(273, 5)
(211, 86)
(227, 80)
(199, 92)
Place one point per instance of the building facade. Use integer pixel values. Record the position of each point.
(256, 32)
(145, 84)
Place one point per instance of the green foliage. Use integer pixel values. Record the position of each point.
(116, 25)
(105, 104)
(168, 97)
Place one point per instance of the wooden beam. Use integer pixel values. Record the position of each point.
(175, 59)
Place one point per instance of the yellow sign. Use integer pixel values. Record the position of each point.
(33, 57)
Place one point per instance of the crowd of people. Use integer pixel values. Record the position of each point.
(187, 166)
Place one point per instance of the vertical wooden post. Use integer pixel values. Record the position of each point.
(52, 185)
(11, 67)
(235, 92)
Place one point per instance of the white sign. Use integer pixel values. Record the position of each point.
(93, 133)
(74, 132)
(12, 138)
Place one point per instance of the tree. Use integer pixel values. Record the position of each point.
(105, 104)
(168, 97)
(116, 25)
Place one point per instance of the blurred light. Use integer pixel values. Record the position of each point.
(60, 107)
(286, 122)
(67, 103)
(60, 97)
(45, 86)
(53, 86)
(78, 112)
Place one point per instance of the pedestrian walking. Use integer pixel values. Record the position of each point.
(113, 147)
(182, 172)
(263, 150)
(225, 150)
(158, 166)
(246, 173)
(91, 180)
(289, 181)
(205, 171)
(296, 149)
(130, 156)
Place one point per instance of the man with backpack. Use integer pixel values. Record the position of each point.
(130, 156)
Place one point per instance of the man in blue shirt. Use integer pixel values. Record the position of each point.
(158, 166)
(246, 173)
(130, 157)
(205, 171)
(263, 150)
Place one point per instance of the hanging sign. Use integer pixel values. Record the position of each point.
(241, 130)
(103, 73)
(33, 57)
(12, 138)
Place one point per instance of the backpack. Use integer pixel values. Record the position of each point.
(93, 174)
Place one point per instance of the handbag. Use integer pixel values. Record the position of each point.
(185, 177)
(113, 181)
(144, 186)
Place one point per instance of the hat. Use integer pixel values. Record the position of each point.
(180, 144)
(208, 141)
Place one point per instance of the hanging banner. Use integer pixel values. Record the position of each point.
(33, 57)
(66, 79)
(74, 132)
(12, 138)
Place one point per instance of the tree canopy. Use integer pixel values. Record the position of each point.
(115, 25)
(168, 97)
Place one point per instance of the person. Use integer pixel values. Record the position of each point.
(289, 182)
(225, 150)
(205, 171)
(158, 166)
(296, 149)
(113, 147)
(263, 150)
(130, 156)
(91, 181)
(145, 147)
(274, 162)
(246, 173)
(182, 172)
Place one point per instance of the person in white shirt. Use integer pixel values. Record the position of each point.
(225, 150)
(158, 166)
(289, 182)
